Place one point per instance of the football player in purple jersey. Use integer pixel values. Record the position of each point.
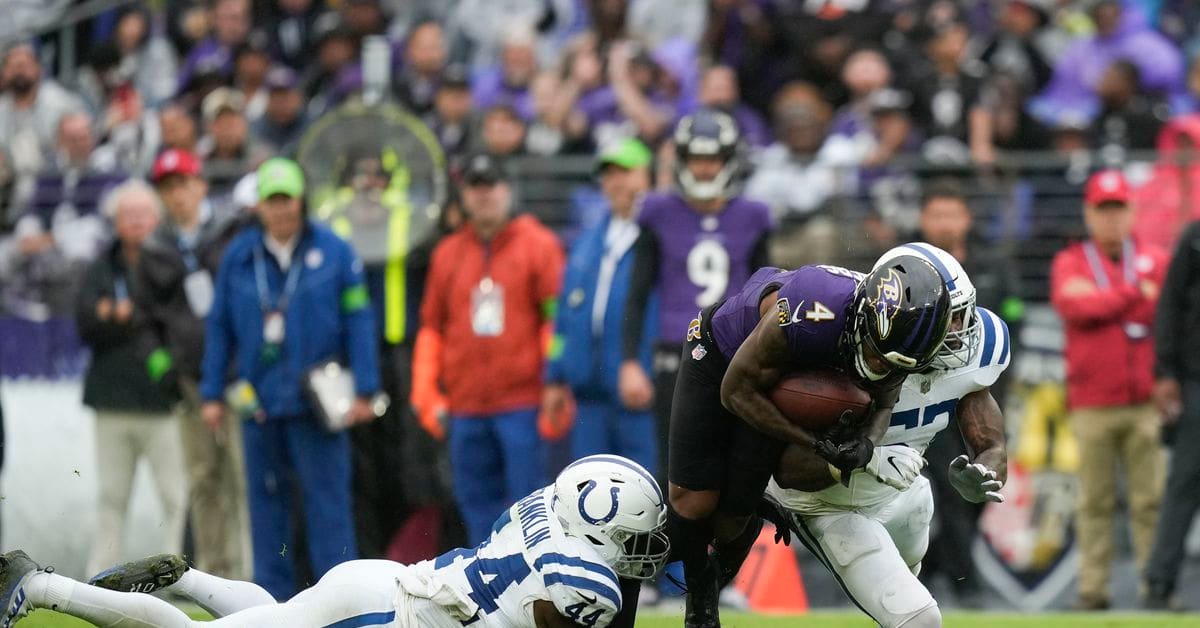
(697, 245)
(727, 436)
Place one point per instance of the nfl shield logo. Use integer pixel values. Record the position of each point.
(699, 352)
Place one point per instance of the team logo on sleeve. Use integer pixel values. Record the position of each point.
(887, 301)
(693, 332)
(784, 309)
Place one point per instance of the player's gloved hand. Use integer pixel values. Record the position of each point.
(975, 482)
(772, 513)
(896, 465)
(846, 456)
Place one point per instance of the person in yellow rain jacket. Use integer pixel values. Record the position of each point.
(369, 207)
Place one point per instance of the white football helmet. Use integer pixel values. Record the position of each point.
(962, 339)
(615, 504)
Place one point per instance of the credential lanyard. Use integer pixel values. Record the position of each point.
(289, 286)
(1101, 277)
(189, 255)
(120, 288)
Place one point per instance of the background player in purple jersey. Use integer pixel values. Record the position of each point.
(878, 328)
(696, 246)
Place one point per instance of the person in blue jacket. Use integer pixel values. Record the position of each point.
(290, 295)
(585, 354)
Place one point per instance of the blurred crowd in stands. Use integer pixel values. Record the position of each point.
(847, 110)
(841, 104)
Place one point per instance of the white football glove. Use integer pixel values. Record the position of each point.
(975, 482)
(896, 465)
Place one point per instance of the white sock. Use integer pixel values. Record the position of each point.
(218, 596)
(104, 608)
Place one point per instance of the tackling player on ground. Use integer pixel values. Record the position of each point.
(877, 328)
(555, 559)
(873, 535)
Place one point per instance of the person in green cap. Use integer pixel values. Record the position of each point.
(585, 354)
(290, 296)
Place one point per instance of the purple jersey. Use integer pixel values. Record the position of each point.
(813, 308)
(701, 258)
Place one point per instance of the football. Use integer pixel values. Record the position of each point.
(815, 399)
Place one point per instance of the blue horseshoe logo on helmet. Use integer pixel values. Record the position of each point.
(612, 512)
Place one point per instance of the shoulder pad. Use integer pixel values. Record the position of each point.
(995, 348)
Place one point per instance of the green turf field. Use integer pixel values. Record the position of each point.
(46, 619)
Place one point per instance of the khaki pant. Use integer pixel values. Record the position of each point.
(1129, 436)
(216, 473)
(123, 438)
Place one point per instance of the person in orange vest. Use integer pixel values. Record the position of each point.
(490, 297)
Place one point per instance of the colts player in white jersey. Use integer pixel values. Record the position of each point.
(872, 531)
(555, 559)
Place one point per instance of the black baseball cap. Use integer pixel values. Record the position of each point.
(483, 169)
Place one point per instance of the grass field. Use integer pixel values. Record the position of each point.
(46, 619)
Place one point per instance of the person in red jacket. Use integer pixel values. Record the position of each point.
(1105, 289)
(477, 369)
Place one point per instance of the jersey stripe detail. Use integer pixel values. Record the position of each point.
(586, 584)
(624, 463)
(937, 263)
(369, 619)
(555, 558)
(1003, 347)
(989, 337)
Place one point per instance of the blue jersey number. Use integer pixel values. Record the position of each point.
(488, 577)
(917, 417)
(575, 613)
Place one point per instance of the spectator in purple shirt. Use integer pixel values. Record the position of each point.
(637, 82)
(231, 25)
(743, 35)
(719, 90)
(1121, 33)
(509, 82)
(585, 103)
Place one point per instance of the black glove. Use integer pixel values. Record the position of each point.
(771, 512)
(846, 456)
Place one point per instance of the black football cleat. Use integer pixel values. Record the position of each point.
(702, 609)
(146, 575)
(15, 569)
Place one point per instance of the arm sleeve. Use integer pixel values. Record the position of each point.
(218, 338)
(583, 591)
(645, 272)
(558, 345)
(427, 352)
(1097, 306)
(149, 336)
(548, 285)
(94, 332)
(361, 340)
(1169, 323)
